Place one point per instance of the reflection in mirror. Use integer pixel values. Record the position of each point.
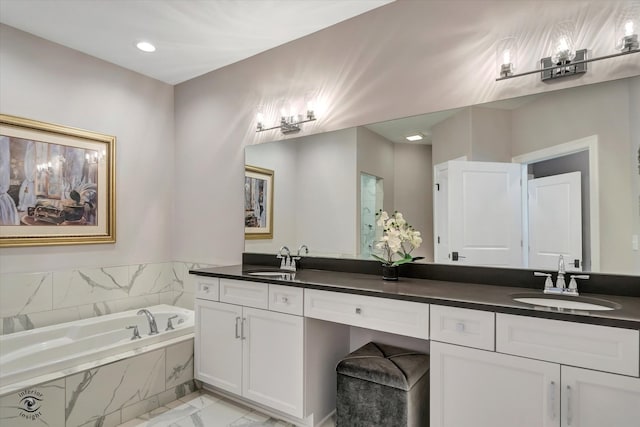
(512, 183)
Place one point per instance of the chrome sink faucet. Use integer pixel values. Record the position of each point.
(288, 262)
(285, 264)
(153, 328)
(561, 285)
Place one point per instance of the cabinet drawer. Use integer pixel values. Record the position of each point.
(597, 347)
(249, 294)
(382, 314)
(205, 287)
(286, 299)
(462, 326)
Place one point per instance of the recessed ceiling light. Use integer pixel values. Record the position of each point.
(416, 137)
(146, 47)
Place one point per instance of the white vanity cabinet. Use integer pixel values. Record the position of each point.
(597, 399)
(248, 351)
(478, 388)
(527, 380)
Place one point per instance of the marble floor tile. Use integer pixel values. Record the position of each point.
(201, 409)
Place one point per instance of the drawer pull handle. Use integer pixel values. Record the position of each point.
(569, 406)
(285, 300)
(237, 322)
(552, 399)
(242, 329)
(205, 288)
(358, 310)
(460, 327)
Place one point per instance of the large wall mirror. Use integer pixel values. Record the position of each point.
(513, 183)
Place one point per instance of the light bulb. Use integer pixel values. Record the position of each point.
(260, 117)
(506, 57)
(628, 28)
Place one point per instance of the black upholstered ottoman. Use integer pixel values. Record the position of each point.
(383, 386)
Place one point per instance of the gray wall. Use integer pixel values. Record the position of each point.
(43, 81)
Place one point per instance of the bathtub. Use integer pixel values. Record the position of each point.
(32, 357)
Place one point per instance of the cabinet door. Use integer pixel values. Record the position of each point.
(477, 388)
(597, 399)
(273, 360)
(218, 347)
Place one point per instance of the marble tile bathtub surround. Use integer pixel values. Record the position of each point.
(33, 300)
(22, 294)
(108, 395)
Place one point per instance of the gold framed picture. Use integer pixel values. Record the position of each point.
(258, 203)
(57, 184)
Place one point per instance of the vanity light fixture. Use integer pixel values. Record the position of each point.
(506, 56)
(565, 60)
(289, 121)
(627, 39)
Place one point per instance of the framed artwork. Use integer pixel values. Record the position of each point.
(258, 203)
(57, 184)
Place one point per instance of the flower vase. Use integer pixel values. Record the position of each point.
(389, 272)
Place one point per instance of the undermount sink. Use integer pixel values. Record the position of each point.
(566, 302)
(278, 274)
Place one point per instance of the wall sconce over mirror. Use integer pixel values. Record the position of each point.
(564, 59)
(627, 31)
(290, 120)
(507, 56)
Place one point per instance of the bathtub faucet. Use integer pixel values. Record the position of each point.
(153, 328)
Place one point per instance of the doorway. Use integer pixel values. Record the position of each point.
(371, 198)
(575, 156)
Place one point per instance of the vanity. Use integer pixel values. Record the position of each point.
(273, 339)
(502, 353)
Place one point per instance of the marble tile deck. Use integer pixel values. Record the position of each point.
(204, 409)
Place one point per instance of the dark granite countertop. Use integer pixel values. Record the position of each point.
(456, 294)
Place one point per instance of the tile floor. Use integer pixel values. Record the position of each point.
(204, 409)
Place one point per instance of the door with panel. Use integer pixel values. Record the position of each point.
(597, 399)
(490, 194)
(555, 221)
(478, 388)
(218, 345)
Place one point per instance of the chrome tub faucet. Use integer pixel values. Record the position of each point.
(153, 328)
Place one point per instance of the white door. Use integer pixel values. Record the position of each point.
(273, 360)
(598, 399)
(477, 388)
(440, 214)
(485, 213)
(555, 221)
(218, 347)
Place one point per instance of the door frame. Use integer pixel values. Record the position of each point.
(590, 144)
(437, 170)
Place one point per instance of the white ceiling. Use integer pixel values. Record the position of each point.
(192, 37)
